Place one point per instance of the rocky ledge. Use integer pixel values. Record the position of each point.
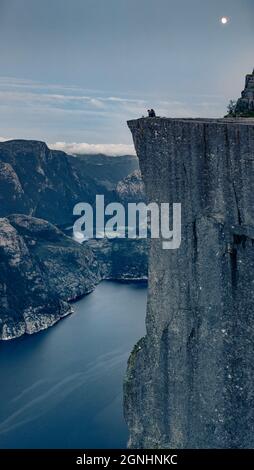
(190, 381)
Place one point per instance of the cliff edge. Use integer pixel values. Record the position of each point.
(190, 382)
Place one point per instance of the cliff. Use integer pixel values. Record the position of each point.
(41, 270)
(190, 382)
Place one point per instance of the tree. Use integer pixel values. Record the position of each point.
(232, 107)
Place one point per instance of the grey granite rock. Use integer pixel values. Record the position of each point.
(190, 380)
(245, 104)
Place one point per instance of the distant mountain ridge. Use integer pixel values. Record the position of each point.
(44, 183)
(112, 168)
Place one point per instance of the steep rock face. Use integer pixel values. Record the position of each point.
(41, 269)
(245, 104)
(11, 193)
(190, 381)
(37, 181)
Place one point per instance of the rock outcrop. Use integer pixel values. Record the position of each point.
(190, 380)
(245, 104)
(131, 188)
(41, 270)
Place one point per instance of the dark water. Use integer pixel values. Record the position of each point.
(62, 388)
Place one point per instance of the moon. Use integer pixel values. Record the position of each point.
(224, 20)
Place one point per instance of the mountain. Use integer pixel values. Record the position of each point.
(190, 379)
(131, 188)
(107, 169)
(41, 270)
(121, 259)
(44, 183)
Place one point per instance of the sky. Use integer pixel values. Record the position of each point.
(72, 72)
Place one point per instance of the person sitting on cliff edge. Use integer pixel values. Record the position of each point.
(151, 113)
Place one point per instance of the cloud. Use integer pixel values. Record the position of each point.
(84, 148)
(93, 149)
(62, 113)
(97, 103)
